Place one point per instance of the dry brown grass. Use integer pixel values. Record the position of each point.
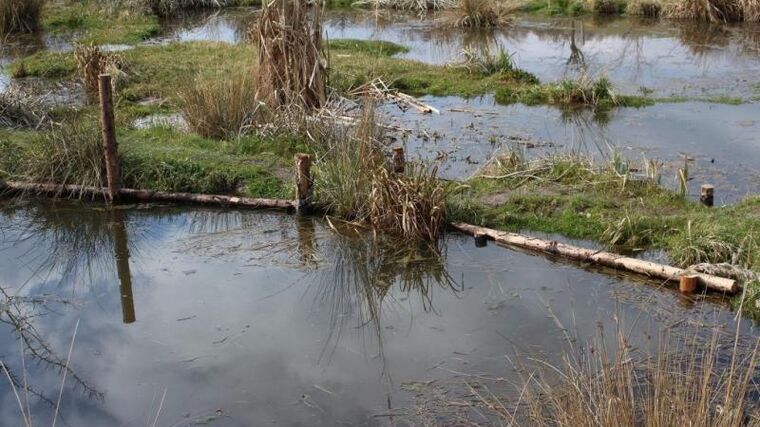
(92, 62)
(481, 14)
(418, 5)
(684, 382)
(644, 8)
(715, 10)
(20, 110)
(20, 16)
(292, 66)
(222, 106)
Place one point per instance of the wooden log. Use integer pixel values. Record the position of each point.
(303, 183)
(688, 283)
(707, 195)
(607, 259)
(55, 190)
(110, 149)
(398, 162)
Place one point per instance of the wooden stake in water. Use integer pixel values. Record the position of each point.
(688, 284)
(707, 195)
(110, 149)
(481, 240)
(303, 183)
(398, 162)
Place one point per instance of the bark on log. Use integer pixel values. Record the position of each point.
(606, 259)
(145, 195)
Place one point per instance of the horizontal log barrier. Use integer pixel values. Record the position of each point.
(13, 187)
(607, 259)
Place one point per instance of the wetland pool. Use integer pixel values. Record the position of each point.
(237, 318)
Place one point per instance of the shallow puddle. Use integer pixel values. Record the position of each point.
(723, 150)
(241, 318)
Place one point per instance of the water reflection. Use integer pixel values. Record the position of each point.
(249, 317)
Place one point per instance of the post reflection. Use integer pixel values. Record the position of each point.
(121, 250)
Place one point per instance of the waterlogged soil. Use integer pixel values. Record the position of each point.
(232, 318)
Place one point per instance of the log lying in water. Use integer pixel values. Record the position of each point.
(145, 195)
(606, 259)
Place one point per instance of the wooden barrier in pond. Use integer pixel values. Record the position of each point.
(607, 259)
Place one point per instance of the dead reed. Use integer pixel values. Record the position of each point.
(480, 14)
(292, 66)
(715, 10)
(644, 8)
(92, 62)
(220, 106)
(20, 16)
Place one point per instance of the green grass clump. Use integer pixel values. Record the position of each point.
(20, 16)
(583, 92)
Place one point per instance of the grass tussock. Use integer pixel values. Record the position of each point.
(69, 154)
(715, 10)
(483, 62)
(20, 110)
(292, 68)
(480, 14)
(91, 62)
(353, 181)
(221, 106)
(20, 16)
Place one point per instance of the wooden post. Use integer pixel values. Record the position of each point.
(706, 195)
(688, 283)
(303, 183)
(110, 149)
(481, 240)
(398, 162)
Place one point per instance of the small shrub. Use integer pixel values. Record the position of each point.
(20, 16)
(220, 107)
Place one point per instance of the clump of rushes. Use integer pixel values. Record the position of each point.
(167, 8)
(608, 7)
(485, 63)
(480, 14)
(92, 62)
(20, 16)
(352, 181)
(292, 68)
(644, 8)
(69, 153)
(20, 110)
(221, 106)
(715, 10)
(583, 92)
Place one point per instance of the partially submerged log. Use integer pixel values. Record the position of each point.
(607, 259)
(55, 190)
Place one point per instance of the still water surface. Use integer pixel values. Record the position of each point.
(248, 318)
